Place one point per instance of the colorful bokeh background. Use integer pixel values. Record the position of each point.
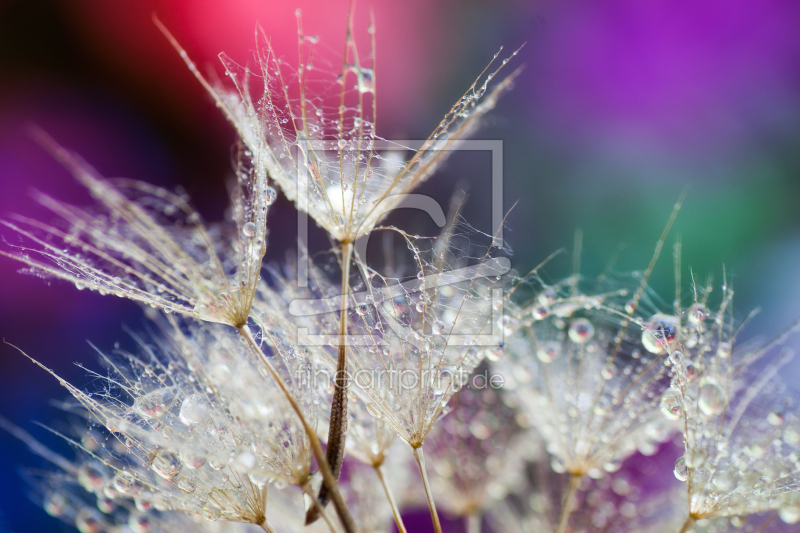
(622, 104)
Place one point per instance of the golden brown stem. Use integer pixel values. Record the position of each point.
(437, 526)
(395, 511)
(566, 509)
(687, 525)
(327, 474)
(337, 429)
(266, 527)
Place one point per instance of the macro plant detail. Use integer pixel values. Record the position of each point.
(336, 395)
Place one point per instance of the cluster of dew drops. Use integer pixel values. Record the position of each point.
(661, 334)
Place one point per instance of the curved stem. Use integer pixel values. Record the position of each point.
(566, 508)
(428, 494)
(337, 429)
(328, 479)
(474, 522)
(687, 525)
(337, 432)
(395, 511)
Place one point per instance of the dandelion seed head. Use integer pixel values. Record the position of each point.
(740, 447)
(148, 244)
(318, 124)
(194, 429)
(594, 386)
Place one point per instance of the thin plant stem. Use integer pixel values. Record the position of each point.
(474, 522)
(328, 478)
(437, 526)
(767, 522)
(266, 527)
(687, 525)
(395, 511)
(337, 429)
(566, 508)
(320, 509)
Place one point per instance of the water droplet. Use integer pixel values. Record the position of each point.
(680, 470)
(191, 455)
(143, 504)
(373, 410)
(166, 464)
(140, 523)
(711, 399)
(697, 314)
(87, 522)
(366, 82)
(55, 505)
(608, 371)
(547, 296)
(506, 324)
(186, 485)
(272, 195)
(341, 144)
(494, 353)
(249, 229)
(660, 333)
(581, 330)
(194, 410)
(154, 404)
(106, 505)
(776, 416)
(613, 465)
(548, 351)
(90, 478)
(690, 371)
(260, 476)
(738, 521)
(724, 350)
(219, 460)
(672, 404)
(790, 514)
(540, 312)
(125, 482)
(438, 327)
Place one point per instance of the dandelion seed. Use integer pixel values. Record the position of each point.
(149, 245)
